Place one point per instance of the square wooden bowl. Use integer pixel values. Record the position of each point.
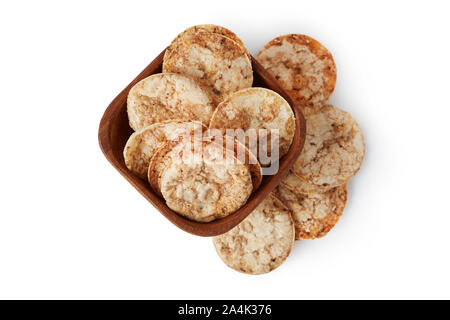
(114, 132)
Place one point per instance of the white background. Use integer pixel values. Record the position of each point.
(72, 227)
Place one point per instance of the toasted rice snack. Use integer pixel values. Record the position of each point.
(205, 185)
(302, 65)
(215, 61)
(257, 108)
(261, 242)
(334, 147)
(212, 28)
(167, 96)
(316, 214)
(142, 144)
(301, 186)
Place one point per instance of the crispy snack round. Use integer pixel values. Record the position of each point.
(218, 63)
(334, 147)
(205, 185)
(257, 108)
(167, 96)
(212, 28)
(142, 144)
(302, 65)
(261, 242)
(316, 214)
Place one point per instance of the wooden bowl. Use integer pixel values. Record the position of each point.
(114, 132)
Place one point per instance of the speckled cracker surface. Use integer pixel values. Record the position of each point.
(257, 108)
(167, 96)
(316, 214)
(303, 66)
(301, 186)
(212, 28)
(205, 186)
(218, 63)
(261, 242)
(142, 144)
(334, 147)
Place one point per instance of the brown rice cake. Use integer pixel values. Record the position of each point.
(215, 61)
(205, 186)
(316, 214)
(302, 65)
(257, 108)
(167, 96)
(334, 147)
(261, 242)
(212, 28)
(142, 144)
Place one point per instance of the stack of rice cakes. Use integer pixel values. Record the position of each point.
(205, 89)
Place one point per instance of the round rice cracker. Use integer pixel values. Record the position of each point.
(257, 108)
(302, 65)
(205, 186)
(316, 214)
(142, 144)
(218, 63)
(334, 148)
(212, 28)
(261, 242)
(167, 96)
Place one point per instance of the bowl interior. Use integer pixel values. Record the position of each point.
(114, 132)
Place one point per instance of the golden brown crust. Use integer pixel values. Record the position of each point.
(302, 65)
(315, 214)
(261, 242)
(204, 186)
(218, 63)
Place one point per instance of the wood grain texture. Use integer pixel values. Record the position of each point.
(114, 131)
